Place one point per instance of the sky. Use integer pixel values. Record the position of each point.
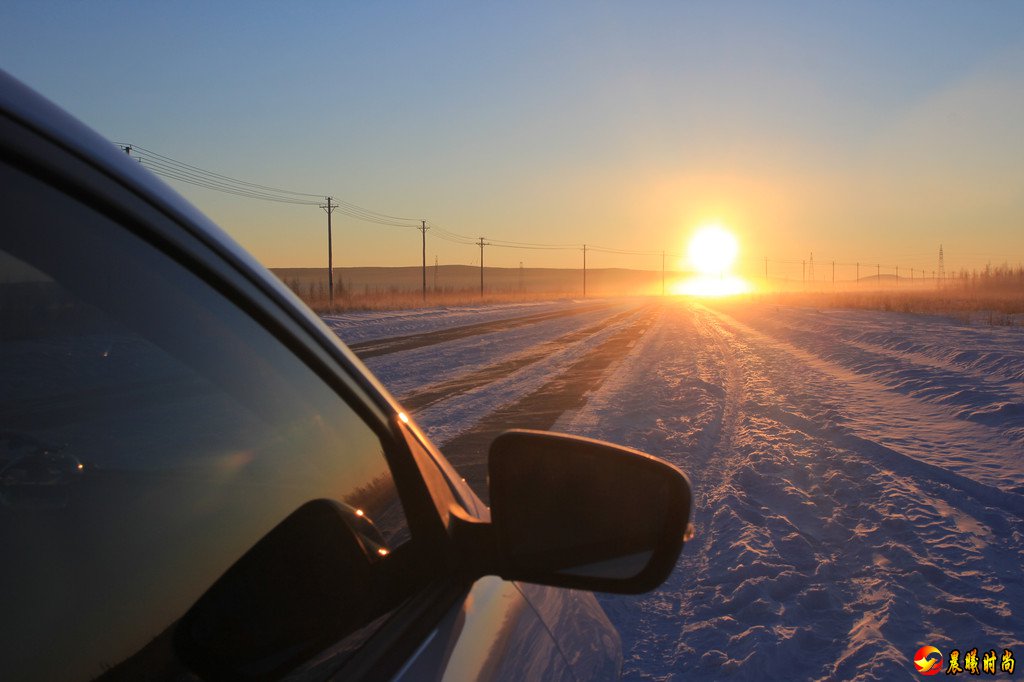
(857, 131)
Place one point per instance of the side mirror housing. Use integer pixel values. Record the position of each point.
(309, 582)
(580, 513)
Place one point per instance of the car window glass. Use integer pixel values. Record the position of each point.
(151, 432)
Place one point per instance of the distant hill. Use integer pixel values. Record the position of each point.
(466, 278)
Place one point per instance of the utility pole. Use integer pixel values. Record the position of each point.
(482, 244)
(584, 271)
(423, 230)
(330, 249)
(942, 264)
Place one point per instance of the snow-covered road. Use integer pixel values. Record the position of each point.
(859, 475)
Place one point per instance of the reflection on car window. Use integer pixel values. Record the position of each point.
(150, 434)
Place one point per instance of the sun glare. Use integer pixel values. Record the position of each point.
(711, 253)
(707, 285)
(712, 250)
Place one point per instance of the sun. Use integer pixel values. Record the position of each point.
(710, 256)
(712, 250)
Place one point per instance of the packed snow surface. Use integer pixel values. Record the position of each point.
(366, 325)
(858, 476)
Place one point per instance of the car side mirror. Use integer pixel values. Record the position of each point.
(580, 513)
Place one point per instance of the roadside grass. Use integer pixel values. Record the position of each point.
(390, 288)
(404, 300)
(1000, 307)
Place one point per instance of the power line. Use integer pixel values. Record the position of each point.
(188, 177)
(376, 214)
(447, 236)
(173, 169)
(166, 161)
(179, 171)
(506, 242)
(626, 252)
(537, 248)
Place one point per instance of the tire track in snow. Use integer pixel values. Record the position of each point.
(657, 649)
(419, 369)
(377, 347)
(418, 400)
(716, 441)
(676, 398)
(542, 404)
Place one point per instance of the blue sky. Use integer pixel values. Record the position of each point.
(856, 130)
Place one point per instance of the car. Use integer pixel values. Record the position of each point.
(198, 480)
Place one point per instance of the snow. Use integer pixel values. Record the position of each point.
(421, 368)
(368, 325)
(405, 371)
(858, 476)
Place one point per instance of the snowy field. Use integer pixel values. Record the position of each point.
(859, 475)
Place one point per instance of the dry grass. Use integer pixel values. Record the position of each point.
(968, 304)
(403, 300)
(456, 285)
(992, 295)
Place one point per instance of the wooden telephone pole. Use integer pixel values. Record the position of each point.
(482, 244)
(423, 229)
(584, 271)
(330, 249)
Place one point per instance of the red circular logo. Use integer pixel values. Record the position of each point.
(928, 660)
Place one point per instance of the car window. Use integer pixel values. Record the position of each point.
(151, 433)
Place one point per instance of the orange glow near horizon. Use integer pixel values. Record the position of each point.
(711, 253)
(707, 285)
